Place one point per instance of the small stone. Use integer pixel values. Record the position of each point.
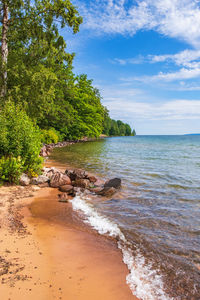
(92, 178)
(39, 180)
(96, 189)
(35, 188)
(43, 152)
(107, 191)
(24, 180)
(63, 197)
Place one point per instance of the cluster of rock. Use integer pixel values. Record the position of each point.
(71, 182)
(47, 148)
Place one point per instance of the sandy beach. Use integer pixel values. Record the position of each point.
(46, 252)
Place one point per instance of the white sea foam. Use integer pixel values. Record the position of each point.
(97, 221)
(144, 282)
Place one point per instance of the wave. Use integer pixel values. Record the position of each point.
(144, 281)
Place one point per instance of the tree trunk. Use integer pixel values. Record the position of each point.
(4, 49)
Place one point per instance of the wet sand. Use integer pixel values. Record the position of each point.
(54, 255)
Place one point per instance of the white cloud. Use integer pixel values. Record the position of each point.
(135, 60)
(178, 19)
(171, 110)
(179, 75)
(113, 93)
(187, 58)
(112, 16)
(182, 74)
(174, 18)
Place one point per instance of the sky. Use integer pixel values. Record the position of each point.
(144, 57)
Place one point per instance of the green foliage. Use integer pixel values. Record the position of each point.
(20, 140)
(115, 128)
(46, 93)
(40, 76)
(49, 136)
(87, 107)
(133, 132)
(10, 169)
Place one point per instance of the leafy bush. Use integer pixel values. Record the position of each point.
(50, 136)
(20, 143)
(10, 168)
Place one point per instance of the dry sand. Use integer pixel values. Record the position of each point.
(46, 252)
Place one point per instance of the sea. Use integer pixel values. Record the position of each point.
(155, 217)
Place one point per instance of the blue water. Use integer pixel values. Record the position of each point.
(158, 208)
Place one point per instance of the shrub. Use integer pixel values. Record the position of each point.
(20, 142)
(50, 136)
(10, 168)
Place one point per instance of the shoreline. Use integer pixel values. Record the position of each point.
(59, 257)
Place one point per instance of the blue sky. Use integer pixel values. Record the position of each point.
(144, 57)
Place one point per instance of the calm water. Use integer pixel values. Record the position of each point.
(157, 210)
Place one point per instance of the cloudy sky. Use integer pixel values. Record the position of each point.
(144, 56)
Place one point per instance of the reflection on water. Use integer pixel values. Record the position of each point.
(159, 207)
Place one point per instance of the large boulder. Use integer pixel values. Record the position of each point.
(77, 174)
(24, 180)
(83, 183)
(71, 174)
(39, 180)
(69, 189)
(59, 179)
(115, 183)
(49, 172)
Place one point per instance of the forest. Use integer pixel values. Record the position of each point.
(41, 99)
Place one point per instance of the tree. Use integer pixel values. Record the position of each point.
(128, 130)
(33, 25)
(106, 122)
(133, 132)
(4, 47)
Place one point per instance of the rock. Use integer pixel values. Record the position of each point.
(35, 188)
(69, 189)
(96, 189)
(59, 179)
(24, 180)
(43, 185)
(84, 183)
(78, 190)
(44, 152)
(99, 182)
(46, 170)
(71, 174)
(115, 183)
(77, 174)
(39, 180)
(92, 178)
(107, 191)
(49, 172)
(81, 174)
(63, 197)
